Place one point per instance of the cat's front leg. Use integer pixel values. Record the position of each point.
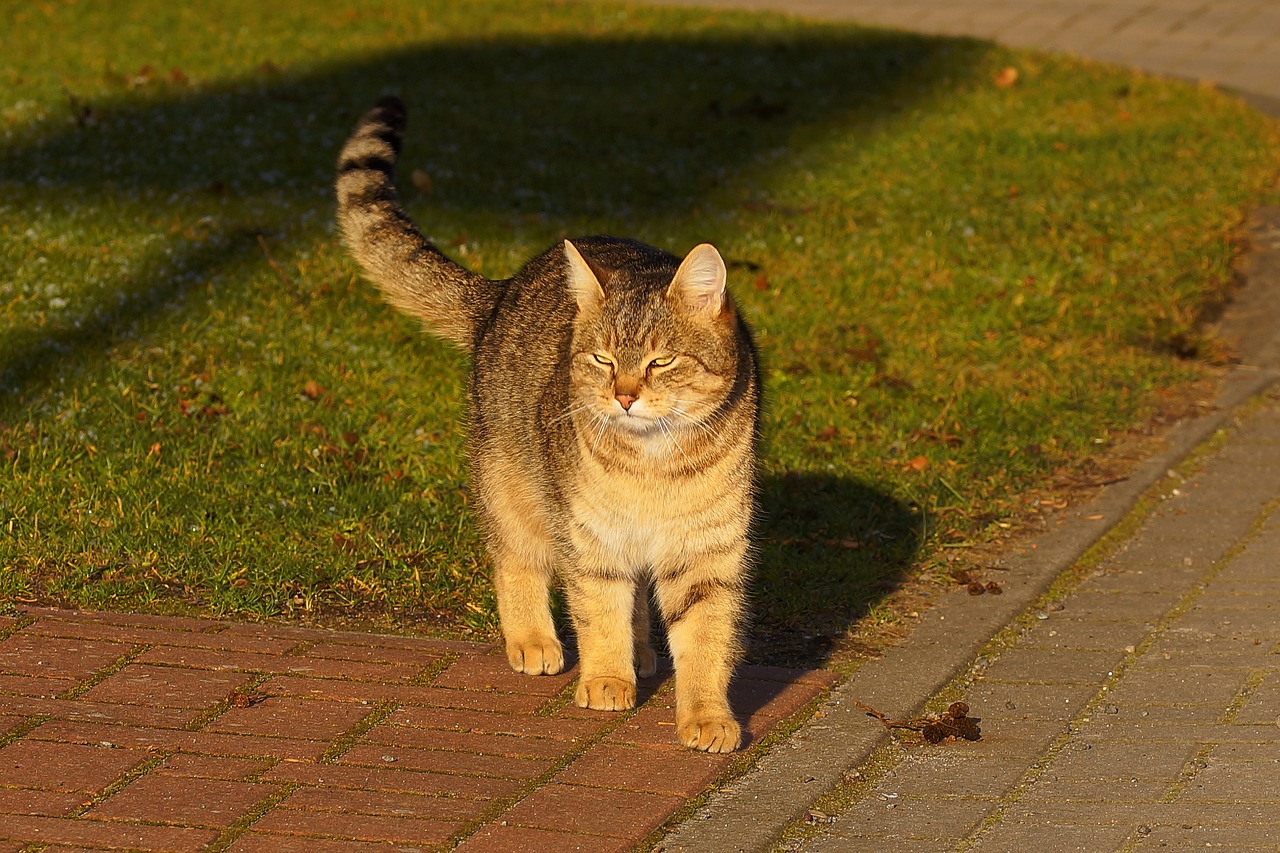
(602, 606)
(702, 604)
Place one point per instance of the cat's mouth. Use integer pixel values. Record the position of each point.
(633, 420)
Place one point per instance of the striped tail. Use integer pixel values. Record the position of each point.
(412, 274)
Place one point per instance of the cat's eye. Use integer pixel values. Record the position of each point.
(661, 362)
(602, 359)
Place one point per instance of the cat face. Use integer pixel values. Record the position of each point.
(653, 353)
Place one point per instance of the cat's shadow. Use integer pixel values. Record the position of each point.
(829, 549)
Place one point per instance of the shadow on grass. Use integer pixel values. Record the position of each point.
(33, 357)
(636, 132)
(630, 135)
(578, 128)
(830, 548)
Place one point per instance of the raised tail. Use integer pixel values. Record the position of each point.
(412, 274)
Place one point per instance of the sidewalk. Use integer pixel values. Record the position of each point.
(1228, 42)
(1136, 707)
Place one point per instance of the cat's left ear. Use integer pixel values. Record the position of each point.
(700, 281)
(583, 282)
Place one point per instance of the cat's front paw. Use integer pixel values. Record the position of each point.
(605, 693)
(536, 657)
(710, 732)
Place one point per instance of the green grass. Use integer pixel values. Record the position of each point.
(203, 408)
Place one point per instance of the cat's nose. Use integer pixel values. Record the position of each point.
(625, 400)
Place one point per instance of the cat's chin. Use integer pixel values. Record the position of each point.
(635, 424)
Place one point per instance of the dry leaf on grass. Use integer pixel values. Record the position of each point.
(313, 390)
(422, 181)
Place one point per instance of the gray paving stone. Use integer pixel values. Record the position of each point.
(912, 817)
(949, 774)
(1093, 789)
(1261, 625)
(1154, 731)
(1159, 578)
(834, 843)
(1261, 591)
(1183, 838)
(997, 702)
(1183, 646)
(1159, 549)
(1236, 752)
(1252, 602)
(1144, 685)
(1091, 758)
(1235, 782)
(1057, 632)
(1164, 713)
(1122, 606)
(1054, 666)
(1152, 814)
(1022, 833)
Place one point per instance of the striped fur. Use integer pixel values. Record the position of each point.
(614, 398)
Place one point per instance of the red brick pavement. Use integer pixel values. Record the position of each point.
(120, 731)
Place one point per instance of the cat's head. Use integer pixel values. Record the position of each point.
(656, 347)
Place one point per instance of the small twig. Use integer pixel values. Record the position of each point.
(914, 725)
(950, 488)
(955, 722)
(271, 262)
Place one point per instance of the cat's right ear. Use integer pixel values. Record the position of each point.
(582, 280)
(700, 281)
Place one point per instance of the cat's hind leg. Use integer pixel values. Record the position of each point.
(524, 610)
(646, 659)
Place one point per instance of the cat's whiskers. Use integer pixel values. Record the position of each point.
(684, 417)
(603, 422)
(669, 435)
(571, 411)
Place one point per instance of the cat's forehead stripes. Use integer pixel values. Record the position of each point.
(633, 320)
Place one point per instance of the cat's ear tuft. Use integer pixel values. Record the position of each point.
(700, 281)
(583, 282)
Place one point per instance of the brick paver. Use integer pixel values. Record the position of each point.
(124, 731)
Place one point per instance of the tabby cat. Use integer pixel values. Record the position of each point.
(614, 399)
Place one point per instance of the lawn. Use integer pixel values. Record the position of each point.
(961, 288)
